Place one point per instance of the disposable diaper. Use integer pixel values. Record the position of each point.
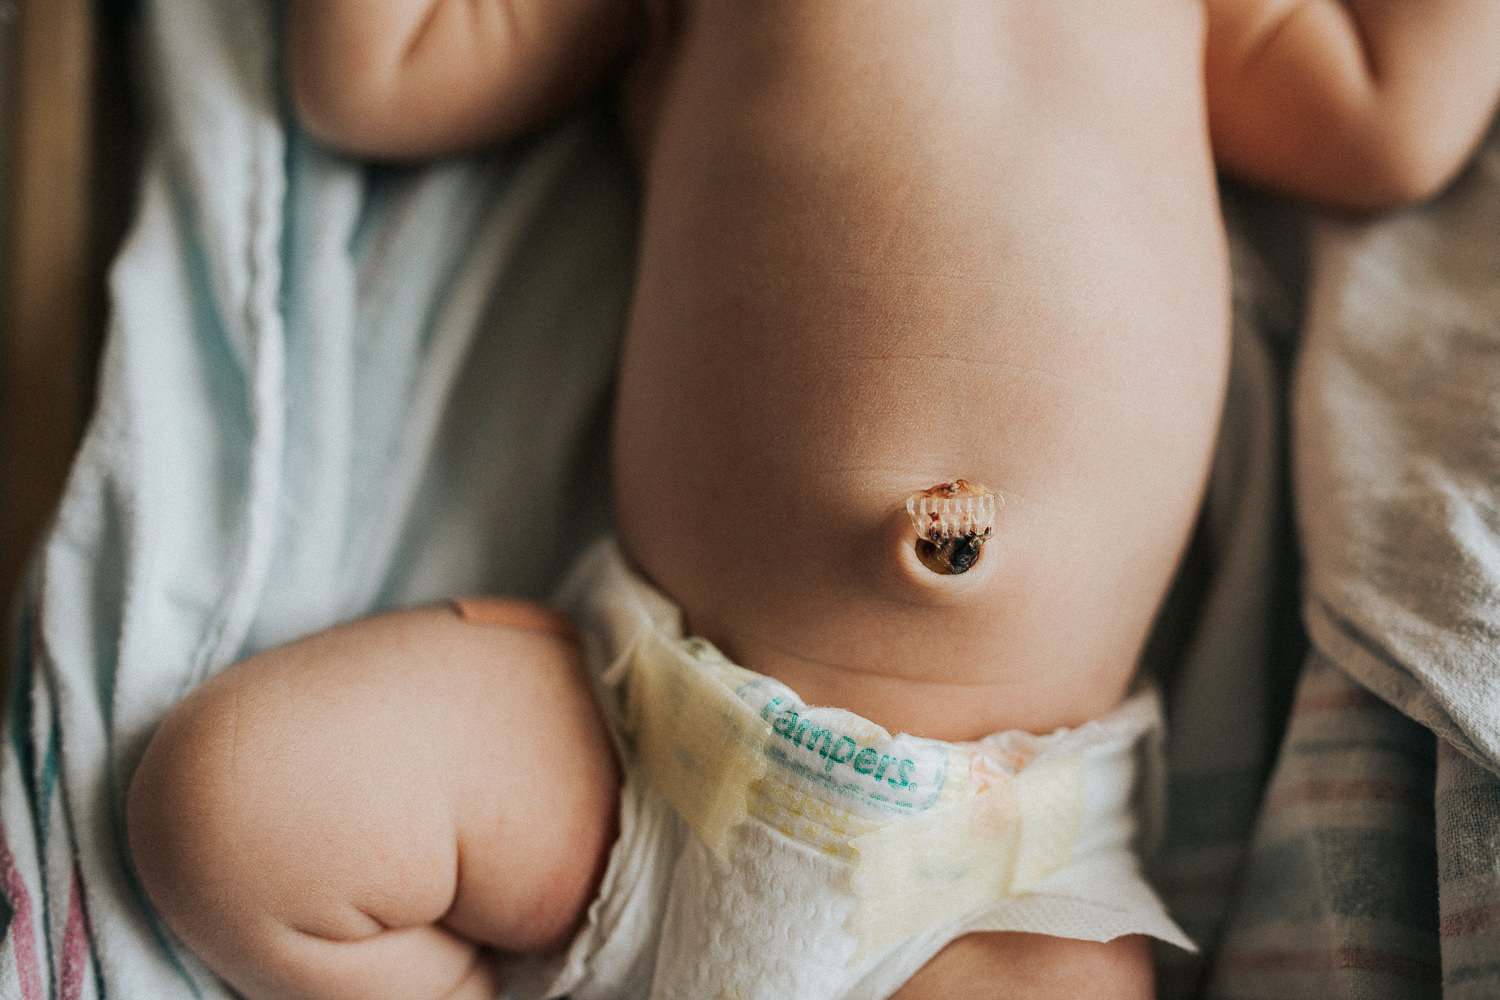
(770, 849)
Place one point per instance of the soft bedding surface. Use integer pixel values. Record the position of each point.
(330, 388)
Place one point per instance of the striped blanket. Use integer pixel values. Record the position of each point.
(1334, 810)
(1329, 657)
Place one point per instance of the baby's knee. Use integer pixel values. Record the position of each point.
(329, 787)
(244, 820)
(274, 884)
(201, 822)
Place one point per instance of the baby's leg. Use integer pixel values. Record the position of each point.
(364, 813)
(1035, 967)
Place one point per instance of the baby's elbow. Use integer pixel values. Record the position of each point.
(1404, 161)
(335, 107)
(1401, 177)
(315, 105)
(356, 97)
(390, 111)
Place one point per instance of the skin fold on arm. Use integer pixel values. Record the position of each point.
(418, 78)
(1360, 104)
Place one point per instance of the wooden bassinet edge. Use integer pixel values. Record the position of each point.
(68, 179)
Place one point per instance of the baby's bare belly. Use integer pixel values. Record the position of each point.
(891, 244)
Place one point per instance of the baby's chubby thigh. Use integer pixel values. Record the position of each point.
(363, 813)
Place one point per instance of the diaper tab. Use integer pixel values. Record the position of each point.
(952, 861)
(702, 747)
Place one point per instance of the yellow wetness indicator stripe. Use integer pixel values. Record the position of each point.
(929, 831)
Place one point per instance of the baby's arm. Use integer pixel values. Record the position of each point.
(407, 78)
(1355, 103)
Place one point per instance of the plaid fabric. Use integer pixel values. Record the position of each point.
(1373, 870)
(1467, 823)
(1339, 898)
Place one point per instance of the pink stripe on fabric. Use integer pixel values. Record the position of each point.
(1350, 791)
(22, 941)
(1348, 957)
(1476, 920)
(75, 950)
(1339, 700)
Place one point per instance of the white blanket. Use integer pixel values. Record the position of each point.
(327, 388)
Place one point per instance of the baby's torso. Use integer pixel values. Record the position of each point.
(890, 243)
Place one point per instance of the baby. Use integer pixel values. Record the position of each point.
(917, 399)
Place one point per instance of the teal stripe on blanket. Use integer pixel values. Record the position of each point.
(18, 705)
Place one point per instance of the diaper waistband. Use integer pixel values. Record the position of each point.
(929, 830)
(922, 833)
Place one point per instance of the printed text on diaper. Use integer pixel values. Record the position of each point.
(835, 748)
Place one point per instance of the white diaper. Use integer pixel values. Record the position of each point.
(770, 849)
